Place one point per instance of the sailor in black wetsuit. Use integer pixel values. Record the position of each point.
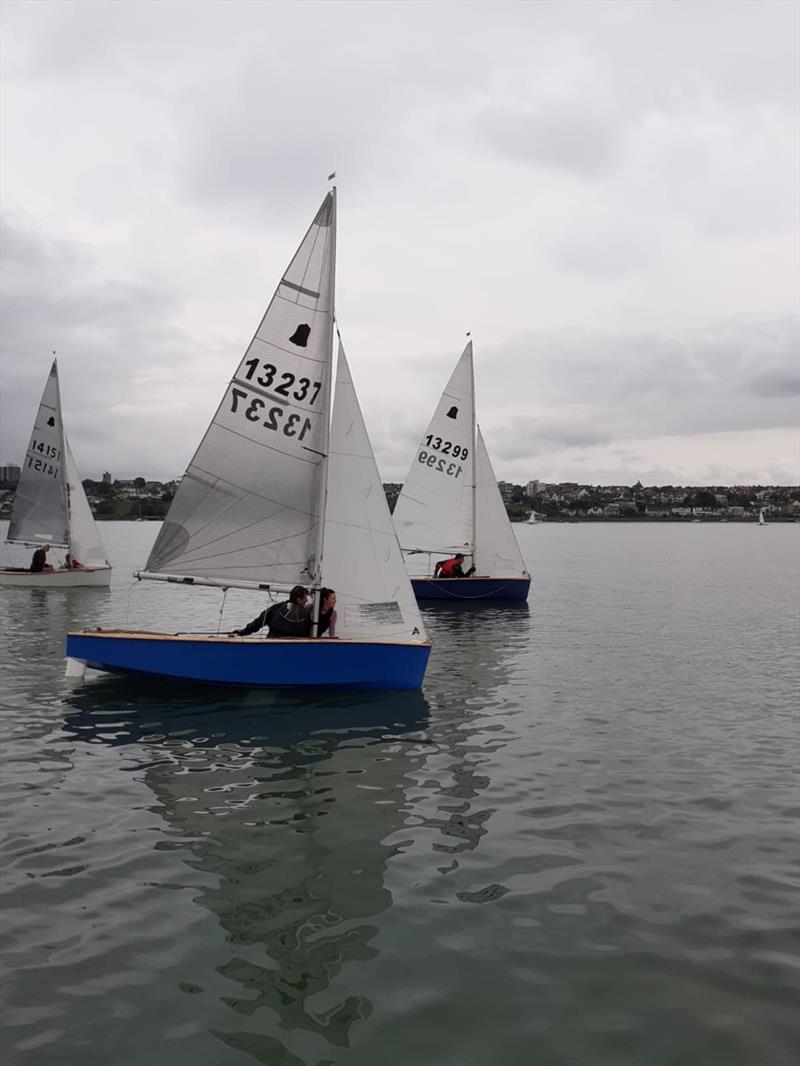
(288, 619)
(39, 561)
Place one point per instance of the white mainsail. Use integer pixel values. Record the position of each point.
(84, 539)
(362, 559)
(434, 511)
(498, 553)
(250, 504)
(39, 515)
(450, 501)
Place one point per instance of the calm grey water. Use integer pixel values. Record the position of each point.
(578, 845)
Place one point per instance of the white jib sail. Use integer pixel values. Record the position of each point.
(362, 560)
(498, 551)
(40, 505)
(84, 539)
(249, 506)
(434, 511)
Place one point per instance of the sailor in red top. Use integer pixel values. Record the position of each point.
(452, 568)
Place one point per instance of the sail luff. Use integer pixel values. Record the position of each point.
(323, 481)
(474, 537)
(63, 440)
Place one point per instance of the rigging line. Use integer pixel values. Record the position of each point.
(221, 609)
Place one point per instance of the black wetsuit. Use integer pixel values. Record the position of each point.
(285, 619)
(38, 561)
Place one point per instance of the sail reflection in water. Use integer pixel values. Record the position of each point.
(289, 810)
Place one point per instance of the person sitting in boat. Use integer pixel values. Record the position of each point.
(452, 568)
(73, 564)
(288, 619)
(39, 563)
(327, 613)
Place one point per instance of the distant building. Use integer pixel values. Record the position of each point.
(9, 475)
(506, 490)
(532, 488)
(106, 478)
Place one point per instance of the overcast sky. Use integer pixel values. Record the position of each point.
(605, 194)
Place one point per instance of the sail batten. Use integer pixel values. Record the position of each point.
(250, 503)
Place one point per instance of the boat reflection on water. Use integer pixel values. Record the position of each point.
(288, 804)
(471, 716)
(297, 805)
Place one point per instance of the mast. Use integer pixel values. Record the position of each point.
(323, 481)
(63, 446)
(474, 460)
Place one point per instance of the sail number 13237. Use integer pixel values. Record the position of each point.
(277, 418)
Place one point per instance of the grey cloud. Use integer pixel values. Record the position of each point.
(776, 382)
(105, 333)
(577, 183)
(694, 381)
(562, 134)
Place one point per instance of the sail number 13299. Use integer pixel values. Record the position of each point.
(435, 462)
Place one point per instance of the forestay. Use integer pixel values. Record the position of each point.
(84, 540)
(40, 505)
(362, 559)
(498, 553)
(434, 511)
(249, 506)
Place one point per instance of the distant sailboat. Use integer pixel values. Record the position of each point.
(534, 519)
(761, 520)
(50, 506)
(450, 503)
(281, 492)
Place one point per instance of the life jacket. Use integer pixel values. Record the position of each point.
(447, 568)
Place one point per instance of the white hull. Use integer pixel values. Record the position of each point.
(56, 579)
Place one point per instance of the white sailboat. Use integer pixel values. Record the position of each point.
(761, 520)
(534, 519)
(50, 506)
(282, 491)
(450, 503)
